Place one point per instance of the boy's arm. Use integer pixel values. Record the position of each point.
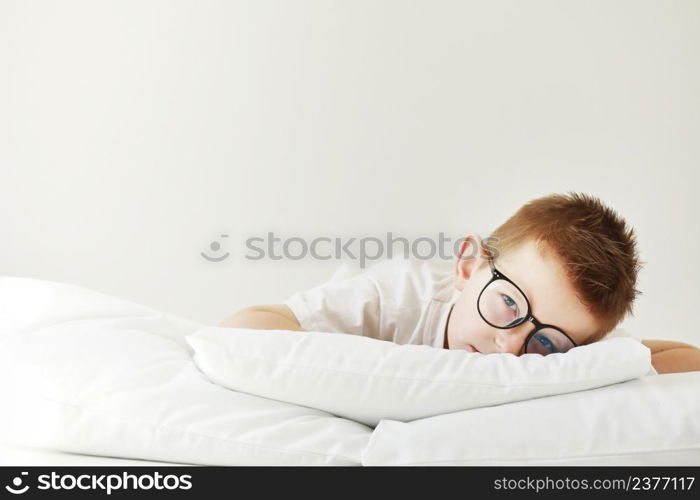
(673, 357)
(266, 317)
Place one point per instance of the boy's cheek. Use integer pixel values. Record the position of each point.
(463, 334)
(471, 329)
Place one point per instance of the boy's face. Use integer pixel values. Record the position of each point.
(541, 277)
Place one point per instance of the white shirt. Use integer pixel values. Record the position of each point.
(405, 301)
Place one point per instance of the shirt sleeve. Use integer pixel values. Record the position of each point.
(351, 305)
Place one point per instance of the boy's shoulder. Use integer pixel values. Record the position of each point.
(424, 277)
(409, 266)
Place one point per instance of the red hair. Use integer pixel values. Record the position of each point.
(596, 247)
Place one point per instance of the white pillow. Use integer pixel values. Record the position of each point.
(84, 372)
(30, 304)
(366, 379)
(651, 421)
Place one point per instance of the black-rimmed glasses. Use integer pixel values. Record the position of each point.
(503, 305)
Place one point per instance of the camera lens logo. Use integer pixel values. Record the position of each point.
(17, 482)
(215, 246)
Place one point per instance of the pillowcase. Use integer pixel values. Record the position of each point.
(32, 304)
(367, 379)
(650, 421)
(87, 373)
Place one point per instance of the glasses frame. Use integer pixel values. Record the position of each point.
(497, 275)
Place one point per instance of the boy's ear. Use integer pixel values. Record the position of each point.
(471, 254)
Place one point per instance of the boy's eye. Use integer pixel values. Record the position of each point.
(509, 302)
(546, 342)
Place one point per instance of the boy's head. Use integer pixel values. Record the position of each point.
(575, 260)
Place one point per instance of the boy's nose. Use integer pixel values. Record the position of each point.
(511, 340)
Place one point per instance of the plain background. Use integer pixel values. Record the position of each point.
(134, 133)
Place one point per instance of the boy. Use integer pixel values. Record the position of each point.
(559, 273)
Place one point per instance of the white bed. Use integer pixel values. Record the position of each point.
(91, 379)
(18, 455)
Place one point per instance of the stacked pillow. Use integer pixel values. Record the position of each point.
(367, 380)
(88, 373)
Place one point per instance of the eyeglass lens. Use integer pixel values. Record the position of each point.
(503, 305)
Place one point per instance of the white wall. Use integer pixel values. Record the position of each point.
(134, 133)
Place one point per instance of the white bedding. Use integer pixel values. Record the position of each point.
(86, 377)
(84, 372)
(367, 380)
(18, 455)
(652, 420)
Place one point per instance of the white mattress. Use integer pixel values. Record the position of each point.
(17, 455)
